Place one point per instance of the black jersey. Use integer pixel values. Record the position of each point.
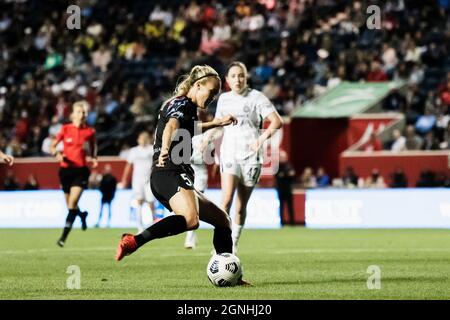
(185, 111)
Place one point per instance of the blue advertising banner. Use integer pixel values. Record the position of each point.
(47, 209)
(380, 208)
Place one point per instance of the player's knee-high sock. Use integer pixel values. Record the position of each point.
(140, 225)
(236, 234)
(169, 226)
(100, 215)
(109, 214)
(190, 240)
(69, 222)
(222, 240)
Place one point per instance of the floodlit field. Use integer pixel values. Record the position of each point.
(290, 263)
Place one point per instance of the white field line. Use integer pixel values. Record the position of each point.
(267, 250)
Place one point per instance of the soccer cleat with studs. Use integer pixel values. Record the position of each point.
(127, 246)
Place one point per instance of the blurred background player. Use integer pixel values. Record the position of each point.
(9, 160)
(108, 186)
(73, 171)
(285, 177)
(140, 157)
(240, 151)
(200, 147)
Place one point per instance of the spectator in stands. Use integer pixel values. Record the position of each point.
(398, 141)
(427, 179)
(271, 89)
(374, 143)
(307, 179)
(376, 73)
(284, 180)
(39, 70)
(395, 101)
(31, 183)
(350, 179)
(445, 144)
(375, 180)
(426, 122)
(413, 141)
(399, 179)
(323, 180)
(430, 142)
(445, 94)
(10, 182)
(15, 148)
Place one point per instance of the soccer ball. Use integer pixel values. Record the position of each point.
(224, 270)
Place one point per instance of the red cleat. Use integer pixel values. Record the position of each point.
(126, 246)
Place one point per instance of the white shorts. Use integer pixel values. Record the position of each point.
(142, 191)
(248, 174)
(201, 177)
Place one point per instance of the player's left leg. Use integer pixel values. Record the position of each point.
(215, 216)
(140, 223)
(100, 214)
(212, 214)
(243, 196)
(109, 213)
(69, 221)
(72, 198)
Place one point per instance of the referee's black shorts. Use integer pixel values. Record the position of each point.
(166, 183)
(74, 177)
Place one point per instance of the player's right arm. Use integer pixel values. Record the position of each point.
(169, 133)
(125, 175)
(7, 158)
(59, 156)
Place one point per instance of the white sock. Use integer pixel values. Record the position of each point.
(236, 233)
(140, 225)
(190, 239)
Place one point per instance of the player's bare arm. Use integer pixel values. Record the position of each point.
(276, 122)
(169, 133)
(93, 148)
(217, 122)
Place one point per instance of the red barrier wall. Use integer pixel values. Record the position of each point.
(358, 125)
(46, 170)
(412, 162)
(318, 142)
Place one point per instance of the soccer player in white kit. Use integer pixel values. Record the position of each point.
(241, 155)
(200, 181)
(201, 147)
(140, 157)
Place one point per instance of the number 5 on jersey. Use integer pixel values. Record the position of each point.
(186, 178)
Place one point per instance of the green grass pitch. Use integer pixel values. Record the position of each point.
(289, 263)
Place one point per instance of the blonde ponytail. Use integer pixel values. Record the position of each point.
(197, 73)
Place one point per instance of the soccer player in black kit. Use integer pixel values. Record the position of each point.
(172, 177)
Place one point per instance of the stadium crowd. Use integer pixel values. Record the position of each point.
(127, 54)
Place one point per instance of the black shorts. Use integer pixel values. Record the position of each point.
(107, 199)
(74, 177)
(166, 183)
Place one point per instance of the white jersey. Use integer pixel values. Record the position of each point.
(250, 109)
(198, 163)
(141, 158)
